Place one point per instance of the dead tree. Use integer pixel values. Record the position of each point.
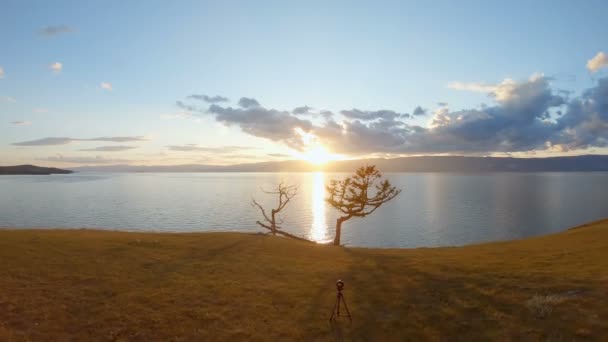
(352, 196)
(272, 222)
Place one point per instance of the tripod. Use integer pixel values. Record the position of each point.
(335, 313)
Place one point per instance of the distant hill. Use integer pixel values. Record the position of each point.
(406, 164)
(31, 170)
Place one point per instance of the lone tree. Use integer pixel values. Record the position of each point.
(353, 196)
(285, 193)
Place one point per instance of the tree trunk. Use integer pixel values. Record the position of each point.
(273, 224)
(338, 230)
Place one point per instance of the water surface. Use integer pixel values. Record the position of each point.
(434, 209)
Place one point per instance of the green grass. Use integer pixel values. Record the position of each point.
(92, 285)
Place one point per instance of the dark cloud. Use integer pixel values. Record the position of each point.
(184, 106)
(51, 31)
(209, 99)
(264, 123)
(326, 114)
(109, 148)
(585, 121)
(301, 110)
(442, 104)
(365, 115)
(246, 102)
(525, 116)
(419, 111)
(64, 140)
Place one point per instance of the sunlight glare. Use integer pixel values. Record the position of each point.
(318, 155)
(318, 231)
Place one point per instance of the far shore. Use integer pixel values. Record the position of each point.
(82, 284)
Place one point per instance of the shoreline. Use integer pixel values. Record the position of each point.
(261, 233)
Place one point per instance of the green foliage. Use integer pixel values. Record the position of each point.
(352, 195)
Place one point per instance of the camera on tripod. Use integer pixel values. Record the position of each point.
(339, 285)
(335, 313)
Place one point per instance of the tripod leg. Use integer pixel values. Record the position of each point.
(346, 307)
(333, 311)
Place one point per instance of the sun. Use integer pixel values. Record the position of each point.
(317, 155)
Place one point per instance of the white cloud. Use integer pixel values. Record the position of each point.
(21, 123)
(56, 67)
(7, 99)
(106, 86)
(476, 87)
(597, 62)
(40, 110)
(1, 72)
(502, 91)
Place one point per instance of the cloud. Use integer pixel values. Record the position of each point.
(278, 155)
(516, 123)
(40, 110)
(105, 85)
(45, 142)
(64, 140)
(523, 116)
(56, 67)
(598, 62)
(51, 31)
(419, 111)
(372, 115)
(196, 148)
(84, 160)
(186, 107)
(21, 123)
(442, 104)
(209, 99)
(7, 99)
(585, 121)
(246, 102)
(114, 139)
(301, 110)
(1, 72)
(476, 87)
(264, 123)
(109, 148)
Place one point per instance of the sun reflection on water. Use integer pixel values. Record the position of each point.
(318, 231)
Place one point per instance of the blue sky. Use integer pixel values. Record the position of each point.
(329, 55)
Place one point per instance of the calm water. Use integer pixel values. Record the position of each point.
(434, 209)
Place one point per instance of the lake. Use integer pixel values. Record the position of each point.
(434, 209)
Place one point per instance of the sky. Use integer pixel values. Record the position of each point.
(225, 82)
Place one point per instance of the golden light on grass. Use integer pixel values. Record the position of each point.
(61, 285)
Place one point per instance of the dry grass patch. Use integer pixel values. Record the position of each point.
(100, 286)
(542, 305)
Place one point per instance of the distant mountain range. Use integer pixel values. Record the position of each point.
(405, 164)
(31, 170)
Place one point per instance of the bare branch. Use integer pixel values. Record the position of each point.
(286, 193)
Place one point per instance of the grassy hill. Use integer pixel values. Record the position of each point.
(31, 170)
(94, 285)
